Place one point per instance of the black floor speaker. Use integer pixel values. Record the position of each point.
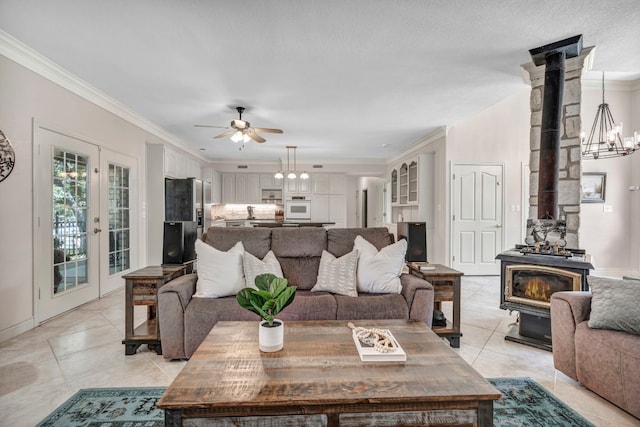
(415, 233)
(178, 245)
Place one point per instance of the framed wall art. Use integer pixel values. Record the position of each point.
(7, 157)
(593, 186)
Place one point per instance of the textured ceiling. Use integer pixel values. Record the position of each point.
(341, 78)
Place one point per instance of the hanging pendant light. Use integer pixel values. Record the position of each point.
(605, 139)
(291, 173)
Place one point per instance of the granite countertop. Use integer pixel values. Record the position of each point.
(273, 223)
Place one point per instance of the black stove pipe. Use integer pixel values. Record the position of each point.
(553, 57)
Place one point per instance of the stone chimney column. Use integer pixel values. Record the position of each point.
(570, 173)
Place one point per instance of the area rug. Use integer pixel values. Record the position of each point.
(524, 403)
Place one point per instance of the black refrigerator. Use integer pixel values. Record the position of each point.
(184, 221)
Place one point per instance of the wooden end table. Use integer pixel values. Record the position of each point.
(141, 288)
(446, 287)
(318, 379)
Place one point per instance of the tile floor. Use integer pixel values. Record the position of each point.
(42, 368)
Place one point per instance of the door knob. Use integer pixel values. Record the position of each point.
(97, 230)
(499, 226)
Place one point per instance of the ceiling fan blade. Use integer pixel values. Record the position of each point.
(227, 133)
(255, 137)
(267, 130)
(211, 126)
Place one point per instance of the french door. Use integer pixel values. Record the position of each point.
(83, 234)
(477, 208)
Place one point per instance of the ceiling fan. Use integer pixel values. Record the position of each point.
(241, 130)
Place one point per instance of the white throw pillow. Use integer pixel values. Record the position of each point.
(220, 274)
(254, 266)
(337, 275)
(379, 272)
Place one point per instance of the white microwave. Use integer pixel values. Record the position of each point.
(297, 208)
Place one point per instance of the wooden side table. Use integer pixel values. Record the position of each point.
(141, 288)
(446, 287)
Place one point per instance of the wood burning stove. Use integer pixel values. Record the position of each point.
(527, 282)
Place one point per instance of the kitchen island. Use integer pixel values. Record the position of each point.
(273, 223)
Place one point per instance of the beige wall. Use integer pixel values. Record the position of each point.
(497, 134)
(25, 96)
(612, 238)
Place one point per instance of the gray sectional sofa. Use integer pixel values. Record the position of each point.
(185, 321)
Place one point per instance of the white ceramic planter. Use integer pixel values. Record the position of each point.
(271, 339)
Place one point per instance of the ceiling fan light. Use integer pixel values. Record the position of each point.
(245, 138)
(279, 175)
(291, 175)
(304, 175)
(237, 137)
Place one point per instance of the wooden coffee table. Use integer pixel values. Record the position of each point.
(318, 379)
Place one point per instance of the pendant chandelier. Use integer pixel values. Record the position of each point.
(291, 173)
(605, 138)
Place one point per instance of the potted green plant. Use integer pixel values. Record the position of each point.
(271, 296)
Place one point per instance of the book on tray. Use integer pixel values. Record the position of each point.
(423, 266)
(369, 354)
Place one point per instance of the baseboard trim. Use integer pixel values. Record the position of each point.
(18, 329)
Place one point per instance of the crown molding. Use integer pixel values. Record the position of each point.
(25, 56)
(420, 144)
(613, 85)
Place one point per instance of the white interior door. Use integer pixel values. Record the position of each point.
(66, 238)
(477, 208)
(119, 219)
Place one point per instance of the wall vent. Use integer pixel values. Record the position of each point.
(243, 167)
(318, 166)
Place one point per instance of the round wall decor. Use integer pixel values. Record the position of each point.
(7, 157)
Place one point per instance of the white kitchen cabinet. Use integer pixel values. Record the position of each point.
(320, 183)
(269, 182)
(412, 181)
(297, 186)
(213, 177)
(216, 187)
(192, 168)
(337, 183)
(241, 188)
(338, 210)
(254, 191)
(320, 207)
(228, 188)
(175, 165)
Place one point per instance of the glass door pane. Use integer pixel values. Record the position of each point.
(70, 201)
(119, 219)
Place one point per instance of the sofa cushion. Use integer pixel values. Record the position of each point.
(254, 266)
(372, 306)
(309, 305)
(615, 304)
(340, 240)
(337, 275)
(298, 241)
(256, 241)
(220, 273)
(299, 251)
(379, 271)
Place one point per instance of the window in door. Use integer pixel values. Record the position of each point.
(119, 219)
(69, 220)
